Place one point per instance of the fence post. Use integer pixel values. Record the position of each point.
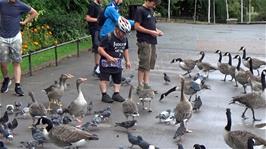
(78, 41)
(55, 54)
(30, 66)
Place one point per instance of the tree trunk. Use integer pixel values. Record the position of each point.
(241, 7)
(195, 11)
(209, 11)
(169, 10)
(214, 19)
(227, 13)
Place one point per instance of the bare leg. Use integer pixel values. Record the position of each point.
(4, 70)
(117, 87)
(17, 72)
(140, 77)
(146, 77)
(103, 86)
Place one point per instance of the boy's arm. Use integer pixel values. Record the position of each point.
(140, 28)
(126, 56)
(109, 58)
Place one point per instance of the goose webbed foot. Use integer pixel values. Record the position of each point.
(254, 119)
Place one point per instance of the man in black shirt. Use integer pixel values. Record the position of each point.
(113, 48)
(145, 24)
(91, 17)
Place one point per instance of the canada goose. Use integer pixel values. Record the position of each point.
(204, 66)
(232, 69)
(242, 76)
(183, 110)
(238, 139)
(64, 135)
(78, 107)
(186, 65)
(55, 92)
(129, 106)
(257, 63)
(251, 143)
(224, 68)
(255, 81)
(36, 109)
(251, 100)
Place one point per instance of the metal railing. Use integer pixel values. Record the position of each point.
(31, 53)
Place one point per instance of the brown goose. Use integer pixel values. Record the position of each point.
(55, 92)
(65, 135)
(255, 81)
(36, 109)
(224, 68)
(238, 139)
(257, 63)
(183, 110)
(78, 107)
(232, 69)
(205, 67)
(129, 106)
(186, 65)
(252, 100)
(243, 76)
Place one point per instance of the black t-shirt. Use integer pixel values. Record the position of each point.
(93, 11)
(115, 47)
(147, 20)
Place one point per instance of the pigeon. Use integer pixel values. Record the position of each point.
(10, 109)
(29, 144)
(197, 103)
(6, 133)
(145, 145)
(164, 115)
(126, 124)
(18, 105)
(2, 145)
(198, 146)
(4, 119)
(38, 136)
(126, 81)
(87, 125)
(105, 114)
(181, 130)
(66, 119)
(180, 146)
(134, 140)
(89, 108)
(13, 124)
(166, 78)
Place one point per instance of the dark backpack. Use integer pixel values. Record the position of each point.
(101, 18)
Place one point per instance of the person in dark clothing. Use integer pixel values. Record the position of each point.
(11, 39)
(145, 25)
(91, 17)
(113, 48)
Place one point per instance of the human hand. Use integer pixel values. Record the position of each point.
(112, 59)
(160, 33)
(22, 23)
(128, 65)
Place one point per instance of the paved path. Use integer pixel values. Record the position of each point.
(180, 40)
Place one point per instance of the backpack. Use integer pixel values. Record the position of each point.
(101, 18)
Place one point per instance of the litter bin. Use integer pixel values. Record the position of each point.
(131, 11)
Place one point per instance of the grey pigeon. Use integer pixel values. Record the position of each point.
(2, 145)
(145, 145)
(180, 146)
(181, 130)
(126, 124)
(164, 115)
(134, 140)
(6, 133)
(38, 136)
(127, 80)
(88, 125)
(197, 103)
(89, 108)
(198, 146)
(166, 78)
(29, 144)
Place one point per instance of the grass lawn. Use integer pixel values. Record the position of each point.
(43, 58)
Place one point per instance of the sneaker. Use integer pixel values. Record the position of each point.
(107, 99)
(6, 83)
(118, 98)
(19, 91)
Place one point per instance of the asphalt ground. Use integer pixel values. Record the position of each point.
(180, 40)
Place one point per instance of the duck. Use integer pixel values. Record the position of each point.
(251, 100)
(55, 92)
(183, 110)
(224, 68)
(232, 69)
(241, 75)
(238, 139)
(64, 135)
(257, 63)
(204, 66)
(129, 106)
(36, 109)
(186, 64)
(78, 107)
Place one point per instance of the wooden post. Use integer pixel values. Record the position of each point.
(214, 19)
(241, 13)
(169, 10)
(209, 11)
(195, 11)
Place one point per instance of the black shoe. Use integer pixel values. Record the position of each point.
(107, 99)
(6, 83)
(118, 98)
(19, 91)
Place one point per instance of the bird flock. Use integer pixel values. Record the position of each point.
(71, 125)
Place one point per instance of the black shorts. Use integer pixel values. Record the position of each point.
(116, 76)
